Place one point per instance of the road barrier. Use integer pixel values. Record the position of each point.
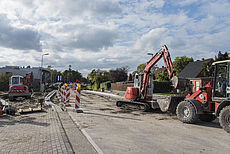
(62, 94)
(77, 99)
(67, 96)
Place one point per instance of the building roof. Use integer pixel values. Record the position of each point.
(192, 69)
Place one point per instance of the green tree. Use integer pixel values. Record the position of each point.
(130, 77)
(221, 56)
(55, 74)
(4, 81)
(179, 63)
(163, 75)
(141, 67)
(207, 69)
(71, 76)
(96, 77)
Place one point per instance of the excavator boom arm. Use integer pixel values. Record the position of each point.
(163, 52)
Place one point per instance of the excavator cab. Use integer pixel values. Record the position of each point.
(16, 80)
(138, 84)
(20, 86)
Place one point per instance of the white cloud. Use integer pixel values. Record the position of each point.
(109, 34)
(16, 38)
(152, 40)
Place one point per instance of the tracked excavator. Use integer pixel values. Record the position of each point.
(141, 94)
(21, 86)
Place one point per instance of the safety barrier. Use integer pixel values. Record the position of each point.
(77, 99)
(67, 96)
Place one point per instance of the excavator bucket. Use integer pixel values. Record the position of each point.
(169, 103)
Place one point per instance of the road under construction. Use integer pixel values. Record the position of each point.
(131, 121)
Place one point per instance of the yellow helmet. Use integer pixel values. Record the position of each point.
(66, 84)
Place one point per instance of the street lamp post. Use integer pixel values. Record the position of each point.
(42, 58)
(41, 86)
(151, 54)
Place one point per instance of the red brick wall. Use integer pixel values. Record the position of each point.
(121, 86)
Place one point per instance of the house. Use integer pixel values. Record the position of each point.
(41, 76)
(193, 73)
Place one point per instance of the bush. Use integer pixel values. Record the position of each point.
(106, 85)
(162, 87)
(4, 81)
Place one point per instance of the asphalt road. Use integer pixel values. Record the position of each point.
(131, 131)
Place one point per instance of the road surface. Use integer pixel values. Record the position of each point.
(131, 131)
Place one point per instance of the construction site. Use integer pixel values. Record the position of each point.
(119, 117)
(114, 77)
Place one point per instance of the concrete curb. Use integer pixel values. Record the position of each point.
(96, 147)
(105, 94)
(84, 133)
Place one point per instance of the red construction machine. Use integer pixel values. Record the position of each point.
(210, 101)
(20, 86)
(206, 104)
(141, 93)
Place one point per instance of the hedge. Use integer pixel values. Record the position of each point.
(162, 87)
(4, 81)
(106, 85)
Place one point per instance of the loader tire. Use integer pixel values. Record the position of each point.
(186, 112)
(207, 117)
(225, 118)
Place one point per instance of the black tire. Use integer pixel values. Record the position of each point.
(119, 103)
(207, 117)
(225, 118)
(186, 112)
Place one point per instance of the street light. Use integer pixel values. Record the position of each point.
(42, 58)
(41, 85)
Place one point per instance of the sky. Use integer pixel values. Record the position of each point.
(107, 34)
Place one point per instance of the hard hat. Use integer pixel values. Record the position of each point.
(66, 84)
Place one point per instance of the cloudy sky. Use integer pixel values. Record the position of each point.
(107, 34)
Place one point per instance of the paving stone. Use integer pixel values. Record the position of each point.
(33, 133)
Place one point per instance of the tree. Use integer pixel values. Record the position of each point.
(119, 74)
(4, 81)
(72, 75)
(221, 56)
(163, 75)
(179, 63)
(96, 77)
(55, 74)
(141, 67)
(130, 77)
(207, 69)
